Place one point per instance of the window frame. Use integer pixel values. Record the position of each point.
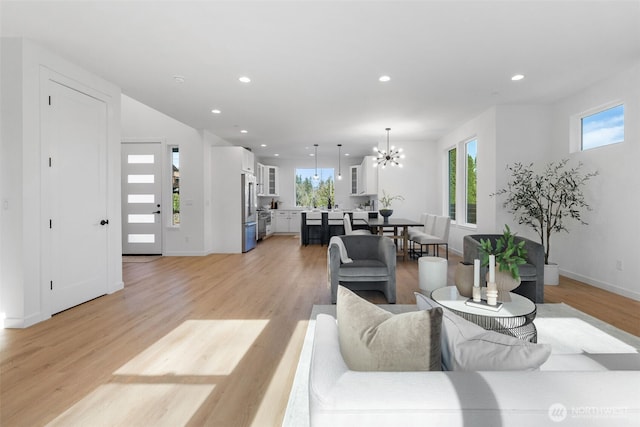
(466, 180)
(171, 220)
(447, 209)
(576, 125)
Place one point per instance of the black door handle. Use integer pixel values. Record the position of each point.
(156, 212)
(104, 222)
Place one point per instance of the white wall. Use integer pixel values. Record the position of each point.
(418, 181)
(24, 290)
(523, 134)
(209, 140)
(589, 253)
(140, 123)
(483, 128)
(541, 133)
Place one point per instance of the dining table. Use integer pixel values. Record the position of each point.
(397, 224)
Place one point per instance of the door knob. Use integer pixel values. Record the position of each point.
(104, 222)
(156, 212)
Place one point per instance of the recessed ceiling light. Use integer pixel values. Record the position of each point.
(244, 131)
(311, 154)
(347, 154)
(384, 78)
(216, 111)
(263, 145)
(276, 155)
(245, 79)
(178, 78)
(517, 77)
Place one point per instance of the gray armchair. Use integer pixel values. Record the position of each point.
(373, 266)
(531, 273)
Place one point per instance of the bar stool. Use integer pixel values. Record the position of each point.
(335, 223)
(313, 222)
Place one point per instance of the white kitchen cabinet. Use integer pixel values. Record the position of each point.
(271, 181)
(354, 176)
(368, 179)
(248, 161)
(227, 167)
(260, 181)
(287, 221)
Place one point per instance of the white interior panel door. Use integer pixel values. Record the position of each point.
(141, 198)
(75, 126)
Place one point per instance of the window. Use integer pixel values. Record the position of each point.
(603, 127)
(315, 193)
(175, 185)
(452, 183)
(471, 150)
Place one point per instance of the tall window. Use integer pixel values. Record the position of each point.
(471, 150)
(602, 128)
(315, 193)
(175, 185)
(452, 183)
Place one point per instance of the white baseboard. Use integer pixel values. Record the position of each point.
(602, 285)
(23, 322)
(187, 253)
(116, 287)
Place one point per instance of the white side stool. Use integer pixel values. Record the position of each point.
(432, 273)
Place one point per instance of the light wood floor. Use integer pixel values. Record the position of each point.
(233, 323)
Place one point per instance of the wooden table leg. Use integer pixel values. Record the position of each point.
(405, 242)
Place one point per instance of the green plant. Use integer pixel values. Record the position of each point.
(545, 201)
(509, 254)
(386, 199)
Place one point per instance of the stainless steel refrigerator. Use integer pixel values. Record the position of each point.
(249, 214)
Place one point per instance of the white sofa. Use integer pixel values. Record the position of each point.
(586, 395)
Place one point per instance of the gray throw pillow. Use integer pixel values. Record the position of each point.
(372, 339)
(468, 347)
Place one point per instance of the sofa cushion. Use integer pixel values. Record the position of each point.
(527, 271)
(468, 347)
(372, 339)
(363, 268)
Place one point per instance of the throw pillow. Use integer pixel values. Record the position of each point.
(468, 347)
(372, 339)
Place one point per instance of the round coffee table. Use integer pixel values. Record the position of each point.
(515, 318)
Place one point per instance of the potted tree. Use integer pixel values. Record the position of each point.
(546, 201)
(386, 201)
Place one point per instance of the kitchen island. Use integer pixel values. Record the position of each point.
(325, 230)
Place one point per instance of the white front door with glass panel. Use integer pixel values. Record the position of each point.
(141, 198)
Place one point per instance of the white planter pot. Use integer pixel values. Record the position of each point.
(551, 274)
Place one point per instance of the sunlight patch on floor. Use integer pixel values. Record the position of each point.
(568, 335)
(136, 405)
(197, 347)
(279, 387)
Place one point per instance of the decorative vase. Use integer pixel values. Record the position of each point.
(505, 281)
(386, 213)
(551, 274)
(464, 279)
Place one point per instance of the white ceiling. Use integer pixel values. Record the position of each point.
(315, 65)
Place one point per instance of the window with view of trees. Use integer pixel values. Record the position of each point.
(175, 180)
(471, 149)
(452, 183)
(315, 193)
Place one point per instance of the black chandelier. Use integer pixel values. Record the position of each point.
(390, 157)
